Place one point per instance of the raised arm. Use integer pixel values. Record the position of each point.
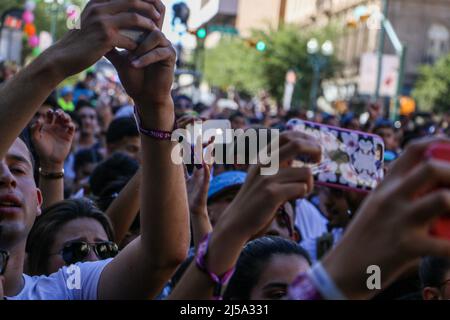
(79, 49)
(198, 185)
(143, 268)
(252, 210)
(392, 229)
(124, 209)
(52, 138)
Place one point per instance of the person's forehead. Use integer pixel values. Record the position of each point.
(282, 267)
(19, 149)
(82, 228)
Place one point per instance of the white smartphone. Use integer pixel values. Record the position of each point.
(135, 35)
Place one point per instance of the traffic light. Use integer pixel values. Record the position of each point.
(261, 46)
(202, 33)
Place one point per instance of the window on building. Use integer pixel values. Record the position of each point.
(438, 42)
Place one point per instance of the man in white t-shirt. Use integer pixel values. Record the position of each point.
(144, 266)
(313, 225)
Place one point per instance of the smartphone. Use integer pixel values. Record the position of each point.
(351, 160)
(440, 151)
(135, 35)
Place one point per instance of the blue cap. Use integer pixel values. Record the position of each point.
(226, 181)
(383, 123)
(347, 118)
(65, 91)
(390, 156)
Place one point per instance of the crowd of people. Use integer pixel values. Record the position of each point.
(92, 206)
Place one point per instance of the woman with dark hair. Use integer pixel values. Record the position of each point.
(68, 232)
(265, 269)
(434, 276)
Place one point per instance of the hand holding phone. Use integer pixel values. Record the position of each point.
(153, 11)
(135, 35)
(351, 160)
(440, 151)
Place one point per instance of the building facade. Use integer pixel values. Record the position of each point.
(259, 14)
(218, 12)
(424, 26)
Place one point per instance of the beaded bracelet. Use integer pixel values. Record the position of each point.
(152, 133)
(219, 281)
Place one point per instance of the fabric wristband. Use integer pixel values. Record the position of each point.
(200, 261)
(152, 133)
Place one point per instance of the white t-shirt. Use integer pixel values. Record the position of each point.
(76, 282)
(312, 225)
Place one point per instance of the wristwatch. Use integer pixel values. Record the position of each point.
(51, 175)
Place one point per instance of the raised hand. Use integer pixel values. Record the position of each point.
(147, 72)
(52, 137)
(392, 228)
(251, 211)
(261, 196)
(101, 23)
(197, 189)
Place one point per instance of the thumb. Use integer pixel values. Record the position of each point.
(116, 57)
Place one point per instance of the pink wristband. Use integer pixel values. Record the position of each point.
(155, 134)
(219, 281)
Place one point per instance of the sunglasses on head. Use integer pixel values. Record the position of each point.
(77, 251)
(4, 256)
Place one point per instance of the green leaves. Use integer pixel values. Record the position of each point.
(432, 90)
(234, 63)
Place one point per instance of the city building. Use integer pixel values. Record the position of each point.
(423, 26)
(259, 14)
(214, 12)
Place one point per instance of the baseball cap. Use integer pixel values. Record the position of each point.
(226, 181)
(65, 91)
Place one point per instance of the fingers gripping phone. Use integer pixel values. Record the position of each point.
(440, 151)
(135, 35)
(351, 160)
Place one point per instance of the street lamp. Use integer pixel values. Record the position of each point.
(319, 56)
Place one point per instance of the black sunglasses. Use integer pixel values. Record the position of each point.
(4, 256)
(77, 251)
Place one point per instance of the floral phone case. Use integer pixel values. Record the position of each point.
(351, 160)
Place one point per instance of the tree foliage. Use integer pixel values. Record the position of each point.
(235, 63)
(432, 90)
